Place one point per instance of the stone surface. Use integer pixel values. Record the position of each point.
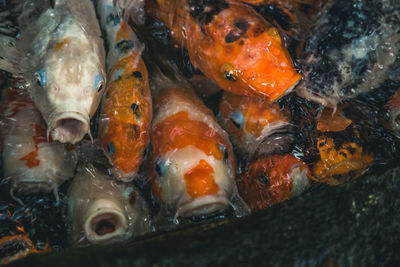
(355, 224)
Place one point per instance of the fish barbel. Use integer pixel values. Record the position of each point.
(59, 53)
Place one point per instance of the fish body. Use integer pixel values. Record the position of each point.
(231, 44)
(194, 166)
(31, 163)
(341, 154)
(126, 110)
(271, 179)
(102, 210)
(253, 122)
(353, 49)
(60, 54)
(394, 111)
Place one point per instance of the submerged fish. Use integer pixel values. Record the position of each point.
(194, 166)
(31, 163)
(272, 179)
(354, 49)
(231, 44)
(102, 210)
(341, 154)
(394, 111)
(254, 123)
(60, 54)
(126, 110)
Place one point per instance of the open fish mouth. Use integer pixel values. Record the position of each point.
(277, 141)
(68, 127)
(205, 205)
(106, 225)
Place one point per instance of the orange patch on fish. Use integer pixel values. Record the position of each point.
(339, 161)
(200, 180)
(329, 122)
(32, 158)
(395, 100)
(64, 42)
(178, 131)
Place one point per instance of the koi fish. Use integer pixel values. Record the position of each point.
(31, 163)
(60, 54)
(126, 110)
(101, 210)
(194, 166)
(272, 179)
(353, 49)
(231, 44)
(394, 111)
(254, 123)
(341, 156)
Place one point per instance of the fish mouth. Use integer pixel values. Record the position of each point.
(205, 205)
(68, 127)
(278, 141)
(106, 225)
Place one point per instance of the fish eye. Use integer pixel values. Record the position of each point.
(161, 167)
(264, 178)
(237, 119)
(99, 82)
(224, 151)
(41, 78)
(229, 72)
(132, 198)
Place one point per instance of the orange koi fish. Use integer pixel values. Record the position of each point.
(31, 163)
(231, 44)
(394, 109)
(127, 109)
(253, 122)
(194, 166)
(340, 160)
(272, 179)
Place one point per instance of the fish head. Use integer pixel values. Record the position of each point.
(394, 111)
(252, 120)
(192, 183)
(67, 89)
(272, 179)
(243, 53)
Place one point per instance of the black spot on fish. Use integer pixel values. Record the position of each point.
(125, 46)
(343, 154)
(134, 108)
(115, 19)
(264, 178)
(240, 28)
(322, 144)
(107, 94)
(110, 148)
(204, 11)
(351, 149)
(137, 74)
(275, 14)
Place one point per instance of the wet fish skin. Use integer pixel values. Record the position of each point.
(354, 49)
(230, 44)
(60, 54)
(31, 163)
(193, 163)
(102, 211)
(126, 110)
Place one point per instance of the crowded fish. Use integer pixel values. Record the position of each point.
(231, 44)
(393, 107)
(101, 210)
(59, 53)
(126, 110)
(193, 163)
(31, 163)
(354, 49)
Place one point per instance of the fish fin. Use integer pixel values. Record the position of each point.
(131, 10)
(10, 58)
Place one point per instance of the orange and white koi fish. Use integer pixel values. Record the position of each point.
(126, 111)
(194, 166)
(231, 44)
(341, 158)
(60, 54)
(101, 210)
(31, 163)
(254, 123)
(271, 179)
